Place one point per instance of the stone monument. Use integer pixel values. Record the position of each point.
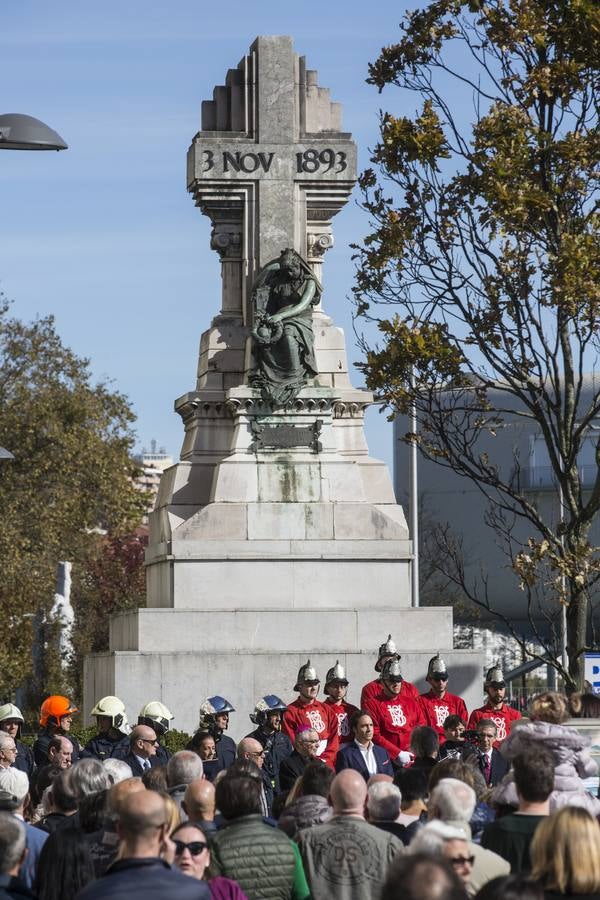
(276, 536)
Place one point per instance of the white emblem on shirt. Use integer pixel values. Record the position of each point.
(501, 726)
(314, 717)
(441, 714)
(397, 715)
(343, 726)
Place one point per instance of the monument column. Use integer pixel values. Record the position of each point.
(276, 536)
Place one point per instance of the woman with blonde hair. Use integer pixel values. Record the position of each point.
(565, 855)
(570, 750)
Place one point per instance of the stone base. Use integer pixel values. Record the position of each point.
(181, 656)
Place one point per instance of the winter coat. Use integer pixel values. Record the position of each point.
(311, 809)
(572, 759)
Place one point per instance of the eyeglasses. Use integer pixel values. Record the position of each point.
(148, 741)
(195, 847)
(262, 753)
(440, 676)
(461, 860)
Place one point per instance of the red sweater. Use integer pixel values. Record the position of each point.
(502, 718)
(373, 688)
(393, 721)
(344, 713)
(438, 709)
(319, 717)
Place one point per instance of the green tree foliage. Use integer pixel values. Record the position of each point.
(71, 477)
(485, 220)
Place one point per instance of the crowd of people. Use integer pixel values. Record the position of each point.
(406, 798)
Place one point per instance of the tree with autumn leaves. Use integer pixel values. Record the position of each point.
(67, 494)
(485, 244)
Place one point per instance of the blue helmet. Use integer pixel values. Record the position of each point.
(265, 706)
(211, 707)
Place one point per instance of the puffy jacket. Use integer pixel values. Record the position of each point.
(311, 809)
(572, 759)
(260, 858)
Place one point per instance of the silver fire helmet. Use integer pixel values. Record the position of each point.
(265, 707)
(494, 674)
(337, 673)
(387, 649)
(436, 666)
(392, 670)
(307, 674)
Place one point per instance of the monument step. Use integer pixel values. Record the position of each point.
(259, 630)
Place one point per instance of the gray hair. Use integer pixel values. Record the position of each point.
(306, 735)
(431, 838)
(15, 782)
(184, 767)
(12, 841)
(88, 776)
(5, 740)
(117, 769)
(487, 723)
(452, 801)
(383, 802)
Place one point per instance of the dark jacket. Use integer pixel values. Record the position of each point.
(14, 889)
(291, 768)
(150, 879)
(499, 767)
(311, 809)
(225, 747)
(350, 757)
(132, 761)
(103, 747)
(40, 748)
(277, 747)
(260, 858)
(24, 760)
(54, 821)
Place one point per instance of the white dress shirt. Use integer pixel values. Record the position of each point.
(368, 756)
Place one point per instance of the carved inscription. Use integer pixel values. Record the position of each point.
(287, 437)
(309, 162)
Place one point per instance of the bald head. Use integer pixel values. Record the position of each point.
(143, 741)
(199, 800)
(142, 816)
(119, 791)
(348, 794)
(248, 746)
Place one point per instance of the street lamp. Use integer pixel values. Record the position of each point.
(18, 132)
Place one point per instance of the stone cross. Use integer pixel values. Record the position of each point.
(271, 167)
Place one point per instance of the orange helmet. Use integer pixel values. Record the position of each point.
(54, 708)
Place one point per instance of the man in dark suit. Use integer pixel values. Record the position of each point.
(142, 750)
(306, 744)
(362, 754)
(491, 762)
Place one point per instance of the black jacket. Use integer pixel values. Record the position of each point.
(147, 879)
(291, 768)
(24, 760)
(40, 748)
(13, 888)
(103, 747)
(277, 747)
(499, 767)
(132, 761)
(225, 750)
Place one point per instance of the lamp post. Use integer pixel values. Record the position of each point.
(18, 132)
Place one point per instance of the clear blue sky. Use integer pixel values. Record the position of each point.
(104, 236)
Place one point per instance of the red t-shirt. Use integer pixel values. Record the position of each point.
(502, 718)
(344, 712)
(393, 720)
(319, 717)
(373, 688)
(438, 709)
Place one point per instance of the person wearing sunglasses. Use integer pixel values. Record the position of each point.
(496, 708)
(438, 703)
(192, 857)
(142, 750)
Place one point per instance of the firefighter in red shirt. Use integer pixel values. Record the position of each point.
(387, 651)
(501, 714)
(438, 703)
(336, 686)
(394, 716)
(308, 712)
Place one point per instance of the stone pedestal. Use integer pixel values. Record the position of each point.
(276, 537)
